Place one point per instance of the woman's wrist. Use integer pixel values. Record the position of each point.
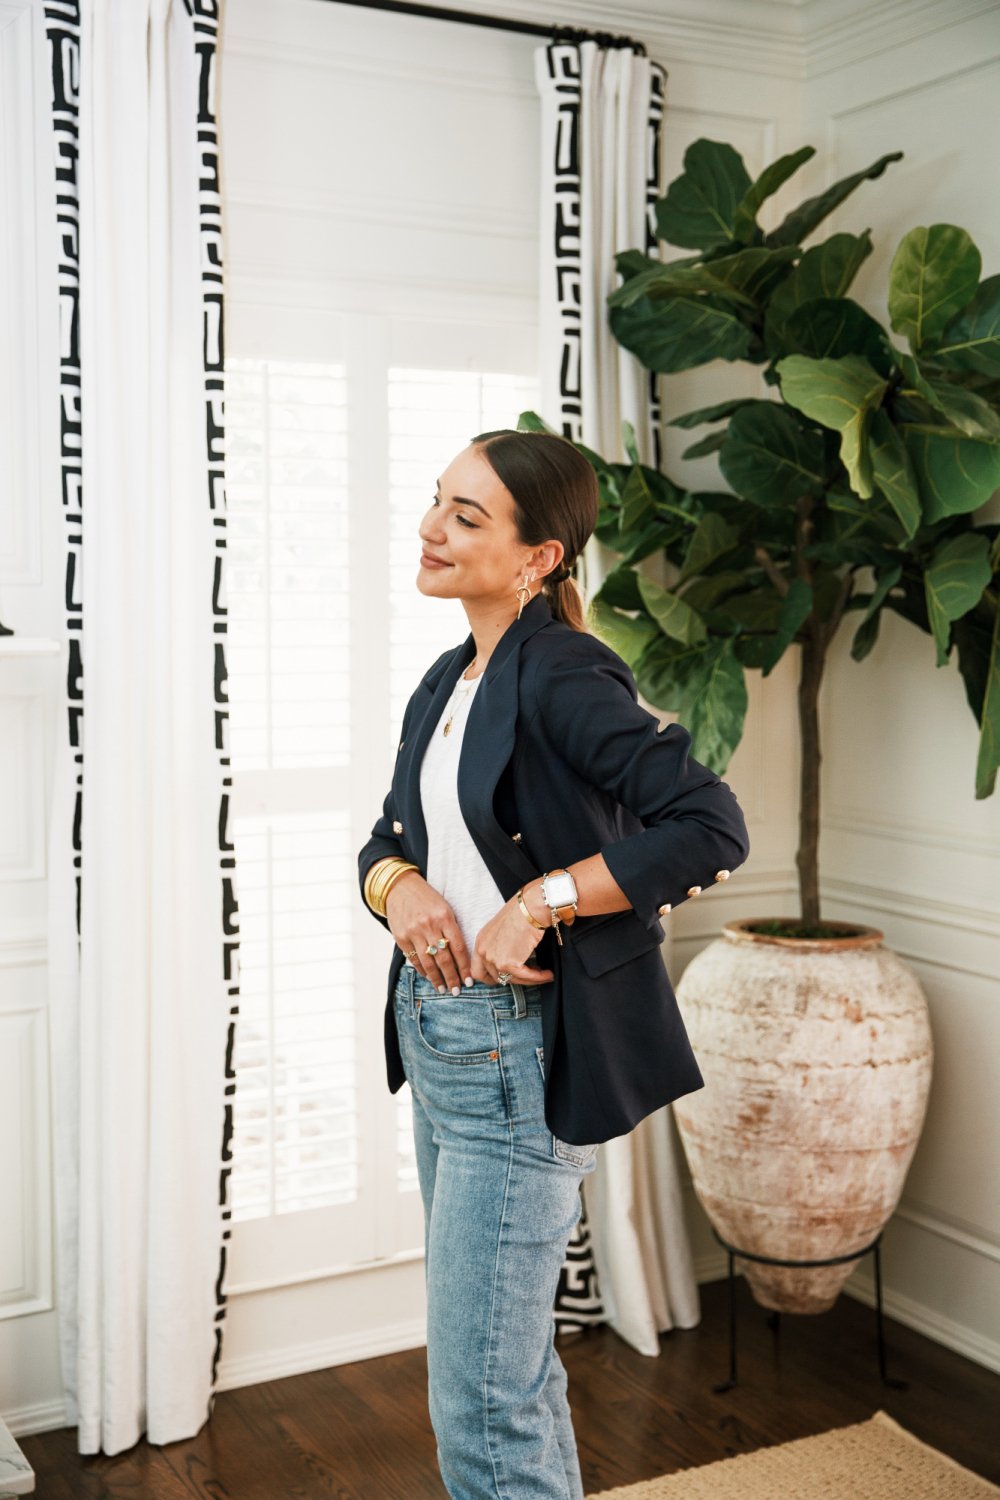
(534, 900)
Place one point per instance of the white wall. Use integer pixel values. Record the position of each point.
(317, 211)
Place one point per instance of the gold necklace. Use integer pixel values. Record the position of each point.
(457, 705)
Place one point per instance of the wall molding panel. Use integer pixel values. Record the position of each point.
(42, 1416)
(22, 787)
(25, 1227)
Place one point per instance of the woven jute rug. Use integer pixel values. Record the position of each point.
(876, 1460)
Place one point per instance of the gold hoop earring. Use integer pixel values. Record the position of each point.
(523, 594)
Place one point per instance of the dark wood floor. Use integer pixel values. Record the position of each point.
(361, 1432)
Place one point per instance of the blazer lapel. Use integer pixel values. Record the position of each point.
(439, 687)
(486, 748)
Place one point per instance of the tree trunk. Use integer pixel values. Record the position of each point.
(807, 859)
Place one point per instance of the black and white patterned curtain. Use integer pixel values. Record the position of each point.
(629, 1262)
(144, 940)
(601, 115)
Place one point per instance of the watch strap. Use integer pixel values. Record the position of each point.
(567, 913)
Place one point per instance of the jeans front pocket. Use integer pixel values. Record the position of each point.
(457, 1030)
(577, 1156)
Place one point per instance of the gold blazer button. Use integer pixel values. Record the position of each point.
(722, 875)
(397, 827)
(664, 909)
(695, 890)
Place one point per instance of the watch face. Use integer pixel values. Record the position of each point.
(560, 890)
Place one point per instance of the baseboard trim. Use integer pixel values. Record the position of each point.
(44, 1416)
(301, 1359)
(712, 1266)
(934, 1325)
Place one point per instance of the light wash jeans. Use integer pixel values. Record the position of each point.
(501, 1196)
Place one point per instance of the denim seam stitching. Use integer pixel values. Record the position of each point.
(496, 1266)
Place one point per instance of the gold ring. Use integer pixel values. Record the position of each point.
(412, 953)
(442, 943)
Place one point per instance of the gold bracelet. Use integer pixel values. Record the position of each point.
(387, 873)
(525, 912)
(380, 880)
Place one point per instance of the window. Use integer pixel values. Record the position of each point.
(432, 416)
(314, 1128)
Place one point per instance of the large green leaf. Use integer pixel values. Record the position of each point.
(628, 637)
(954, 473)
(954, 583)
(675, 278)
(698, 210)
(973, 636)
(830, 327)
(865, 636)
(621, 589)
(682, 333)
(988, 761)
(530, 421)
(745, 278)
(706, 592)
(795, 609)
(962, 408)
(842, 394)
(716, 706)
(722, 411)
(934, 273)
(712, 539)
(637, 501)
(758, 612)
(892, 471)
(800, 223)
(767, 184)
(664, 673)
(826, 270)
(674, 617)
(706, 445)
(769, 459)
(971, 340)
(887, 579)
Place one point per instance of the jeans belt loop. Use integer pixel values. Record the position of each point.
(520, 1004)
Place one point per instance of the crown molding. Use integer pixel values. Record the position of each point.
(791, 39)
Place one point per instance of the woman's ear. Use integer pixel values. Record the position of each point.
(547, 558)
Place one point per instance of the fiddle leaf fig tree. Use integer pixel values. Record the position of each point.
(852, 491)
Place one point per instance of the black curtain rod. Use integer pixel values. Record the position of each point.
(500, 23)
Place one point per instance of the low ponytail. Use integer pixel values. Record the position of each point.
(555, 498)
(564, 598)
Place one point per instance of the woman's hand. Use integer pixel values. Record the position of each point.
(418, 919)
(506, 943)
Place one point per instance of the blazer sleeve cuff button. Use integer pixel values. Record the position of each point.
(722, 875)
(397, 827)
(664, 909)
(695, 890)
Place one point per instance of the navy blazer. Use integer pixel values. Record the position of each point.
(558, 763)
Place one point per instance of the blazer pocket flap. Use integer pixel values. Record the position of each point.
(612, 943)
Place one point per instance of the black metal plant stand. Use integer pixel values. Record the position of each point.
(774, 1320)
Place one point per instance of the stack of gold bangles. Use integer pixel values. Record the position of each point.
(380, 880)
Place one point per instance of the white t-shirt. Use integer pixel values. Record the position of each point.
(455, 867)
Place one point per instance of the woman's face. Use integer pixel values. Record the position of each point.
(471, 549)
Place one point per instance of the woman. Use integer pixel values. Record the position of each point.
(538, 827)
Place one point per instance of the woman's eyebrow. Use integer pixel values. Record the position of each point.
(461, 500)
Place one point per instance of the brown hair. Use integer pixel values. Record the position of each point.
(555, 499)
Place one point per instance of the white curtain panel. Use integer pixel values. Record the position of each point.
(601, 115)
(141, 1042)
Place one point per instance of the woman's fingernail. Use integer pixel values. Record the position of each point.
(469, 982)
(441, 990)
(456, 990)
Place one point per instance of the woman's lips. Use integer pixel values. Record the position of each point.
(428, 560)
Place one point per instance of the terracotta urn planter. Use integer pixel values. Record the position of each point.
(817, 1060)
